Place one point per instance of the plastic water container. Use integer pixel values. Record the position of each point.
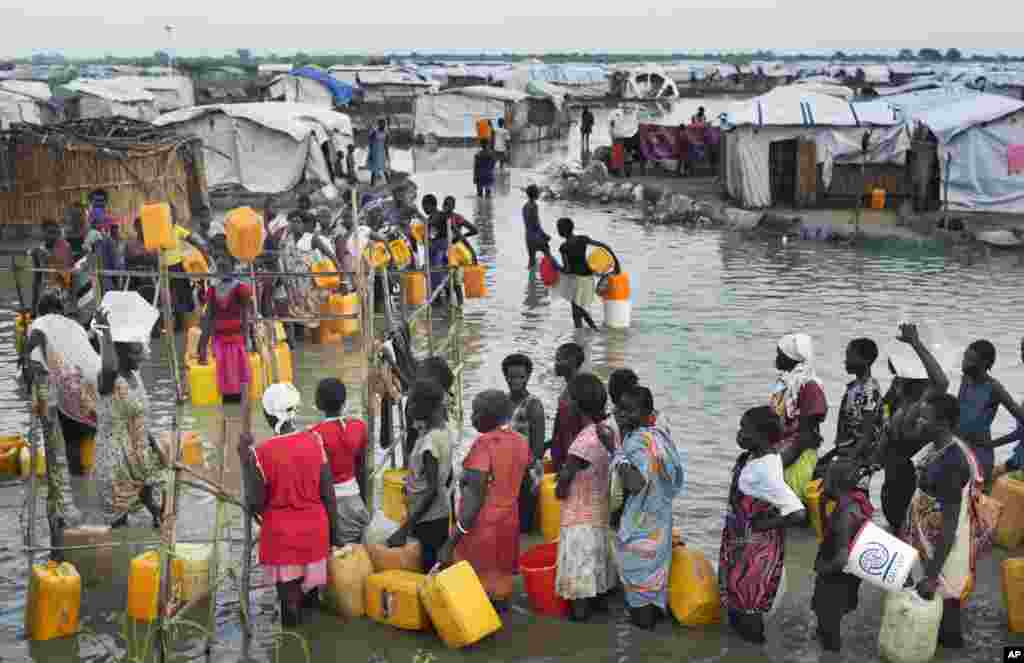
(458, 606)
(157, 231)
(474, 281)
(1010, 492)
(258, 382)
(193, 262)
(1013, 593)
(325, 282)
(414, 284)
(617, 313)
(550, 509)
(190, 570)
(394, 495)
(693, 588)
(880, 558)
(347, 571)
(617, 287)
(10, 447)
(600, 261)
(144, 586)
(878, 199)
(393, 598)
(401, 254)
(283, 354)
(419, 231)
(377, 255)
(548, 272)
(349, 306)
(812, 497)
(243, 228)
(202, 384)
(94, 565)
(405, 558)
(25, 462)
(54, 601)
(539, 568)
(459, 255)
(910, 627)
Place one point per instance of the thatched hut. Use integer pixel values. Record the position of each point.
(44, 171)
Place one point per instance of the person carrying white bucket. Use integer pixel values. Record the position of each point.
(576, 280)
(854, 549)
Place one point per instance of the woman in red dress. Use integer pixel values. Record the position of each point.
(227, 311)
(486, 528)
(288, 482)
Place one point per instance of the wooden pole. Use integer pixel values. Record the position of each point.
(244, 599)
(172, 496)
(33, 487)
(370, 362)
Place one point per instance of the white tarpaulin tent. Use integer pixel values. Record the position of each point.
(25, 102)
(453, 114)
(170, 93)
(791, 112)
(300, 90)
(263, 147)
(977, 131)
(112, 98)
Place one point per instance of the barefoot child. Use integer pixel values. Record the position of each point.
(835, 591)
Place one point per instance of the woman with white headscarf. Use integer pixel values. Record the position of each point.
(288, 481)
(799, 399)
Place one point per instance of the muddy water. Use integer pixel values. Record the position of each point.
(708, 307)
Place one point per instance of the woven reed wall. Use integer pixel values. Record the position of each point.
(48, 181)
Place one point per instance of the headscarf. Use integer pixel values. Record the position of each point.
(800, 349)
(281, 401)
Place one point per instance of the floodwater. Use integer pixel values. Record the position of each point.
(708, 308)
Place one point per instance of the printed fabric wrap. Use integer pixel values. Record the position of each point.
(644, 541)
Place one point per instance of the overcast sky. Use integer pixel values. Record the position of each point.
(123, 27)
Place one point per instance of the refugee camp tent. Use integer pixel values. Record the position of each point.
(384, 84)
(643, 82)
(984, 136)
(90, 99)
(169, 92)
(452, 114)
(264, 147)
(309, 86)
(25, 101)
(791, 113)
(577, 80)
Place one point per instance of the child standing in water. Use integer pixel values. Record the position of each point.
(860, 420)
(835, 591)
(568, 423)
(536, 239)
(761, 505)
(980, 397)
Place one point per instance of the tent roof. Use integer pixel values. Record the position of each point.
(36, 90)
(296, 120)
(488, 92)
(112, 89)
(958, 115)
(791, 105)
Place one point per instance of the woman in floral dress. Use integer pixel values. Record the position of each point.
(586, 566)
(128, 466)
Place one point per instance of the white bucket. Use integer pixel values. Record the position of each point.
(880, 558)
(617, 313)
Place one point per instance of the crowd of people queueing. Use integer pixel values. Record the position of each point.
(619, 471)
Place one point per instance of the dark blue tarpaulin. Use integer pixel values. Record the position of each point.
(342, 92)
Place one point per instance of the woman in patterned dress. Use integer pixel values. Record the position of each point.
(586, 566)
(651, 470)
(761, 505)
(128, 465)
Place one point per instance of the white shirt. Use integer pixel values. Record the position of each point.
(763, 479)
(501, 138)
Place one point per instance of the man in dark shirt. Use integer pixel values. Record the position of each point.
(586, 128)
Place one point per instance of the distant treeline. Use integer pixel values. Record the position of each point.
(244, 60)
